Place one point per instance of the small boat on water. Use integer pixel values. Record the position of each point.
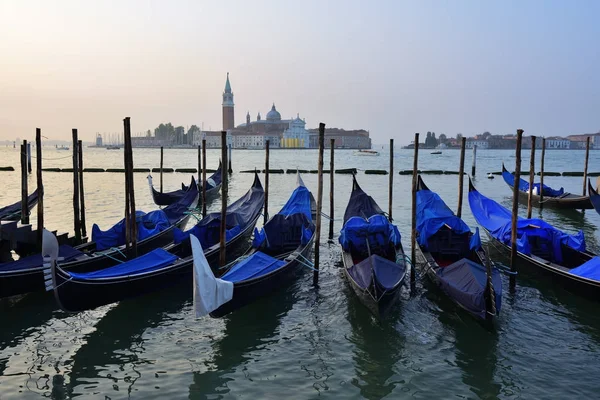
(160, 267)
(541, 247)
(366, 152)
(112, 147)
(13, 212)
(436, 152)
(279, 251)
(62, 147)
(453, 259)
(213, 184)
(552, 197)
(372, 253)
(106, 249)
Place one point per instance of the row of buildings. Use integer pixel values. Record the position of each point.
(552, 142)
(281, 133)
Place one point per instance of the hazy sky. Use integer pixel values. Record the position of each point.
(392, 67)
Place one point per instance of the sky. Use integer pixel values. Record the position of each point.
(391, 67)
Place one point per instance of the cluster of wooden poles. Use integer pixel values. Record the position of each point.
(131, 226)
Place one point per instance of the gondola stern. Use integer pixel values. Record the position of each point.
(471, 185)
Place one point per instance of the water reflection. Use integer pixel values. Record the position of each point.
(249, 329)
(118, 339)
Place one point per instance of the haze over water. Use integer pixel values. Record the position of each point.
(303, 342)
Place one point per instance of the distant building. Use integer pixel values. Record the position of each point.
(480, 143)
(228, 106)
(98, 140)
(296, 135)
(557, 142)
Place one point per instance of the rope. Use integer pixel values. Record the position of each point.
(58, 158)
(327, 217)
(113, 249)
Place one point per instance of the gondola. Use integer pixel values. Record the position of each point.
(213, 184)
(594, 197)
(279, 251)
(13, 211)
(552, 197)
(374, 261)
(161, 267)
(453, 259)
(155, 229)
(541, 248)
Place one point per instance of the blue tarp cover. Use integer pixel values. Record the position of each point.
(595, 200)
(387, 272)
(258, 264)
(148, 225)
(36, 260)
(433, 214)
(465, 281)
(292, 224)
(360, 204)
(377, 230)
(497, 220)
(176, 211)
(152, 261)
(524, 186)
(590, 269)
(239, 214)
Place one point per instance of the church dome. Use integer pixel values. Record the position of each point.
(273, 115)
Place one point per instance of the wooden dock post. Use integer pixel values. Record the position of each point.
(161, 169)
(473, 167)
(331, 187)
(391, 181)
(40, 186)
(531, 176)
(203, 183)
(515, 210)
(542, 173)
(76, 213)
(229, 169)
(81, 189)
(24, 189)
(29, 157)
(461, 179)
(319, 203)
(224, 176)
(130, 188)
(585, 168)
(199, 165)
(266, 206)
(413, 237)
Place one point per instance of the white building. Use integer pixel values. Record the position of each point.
(558, 143)
(296, 135)
(480, 143)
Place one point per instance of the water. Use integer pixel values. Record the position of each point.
(304, 342)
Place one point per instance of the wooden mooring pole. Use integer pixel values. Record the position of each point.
(229, 169)
(542, 173)
(531, 176)
(413, 237)
(81, 189)
(161, 169)
(199, 165)
(461, 179)
(585, 168)
(224, 177)
(391, 180)
(319, 203)
(40, 186)
(130, 188)
(331, 187)
(473, 167)
(24, 189)
(29, 157)
(266, 206)
(76, 212)
(515, 211)
(203, 178)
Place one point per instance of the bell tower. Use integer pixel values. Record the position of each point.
(228, 120)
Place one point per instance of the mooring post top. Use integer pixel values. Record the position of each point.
(520, 131)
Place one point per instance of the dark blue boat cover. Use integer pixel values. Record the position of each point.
(258, 264)
(387, 273)
(524, 186)
(292, 222)
(433, 214)
(239, 214)
(148, 225)
(68, 253)
(13, 212)
(497, 220)
(589, 269)
(465, 280)
(377, 230)
(595, 200)
(211, 182)
(177, 211)
(152, 261)
(167, 198)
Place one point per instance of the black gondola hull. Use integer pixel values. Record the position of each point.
(76, 295)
